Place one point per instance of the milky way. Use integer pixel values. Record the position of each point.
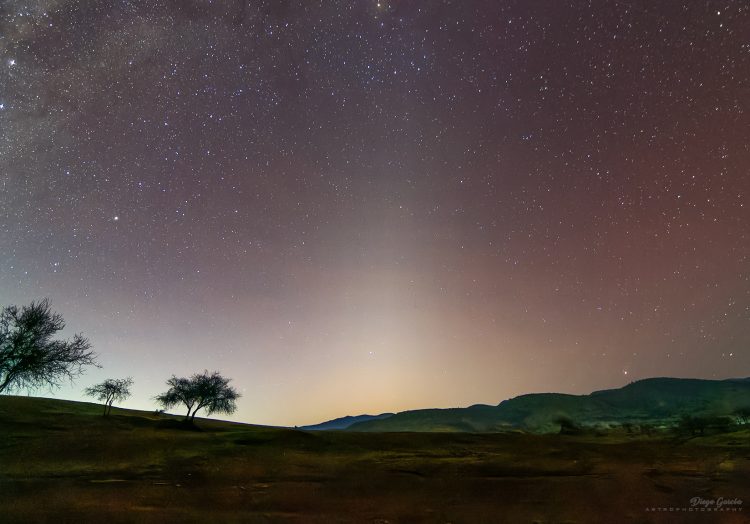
(368, 206)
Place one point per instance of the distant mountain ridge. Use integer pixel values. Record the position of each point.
(653, 401)
(344, 422)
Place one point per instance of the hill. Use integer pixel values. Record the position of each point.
(343, 422)
(653, 401)
(63, 461)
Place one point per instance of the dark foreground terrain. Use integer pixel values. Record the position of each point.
(62, 462)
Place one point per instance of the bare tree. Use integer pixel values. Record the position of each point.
(209, 391)
(29, 357)
(109, 391)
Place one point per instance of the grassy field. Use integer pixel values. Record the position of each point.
(63, 462)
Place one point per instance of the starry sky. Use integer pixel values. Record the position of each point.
(358, 206)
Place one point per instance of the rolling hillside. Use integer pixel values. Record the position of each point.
(655, 401)
(343, 422)
(62, 461)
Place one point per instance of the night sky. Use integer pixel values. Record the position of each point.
(357, 207)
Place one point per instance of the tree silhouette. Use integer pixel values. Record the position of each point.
(29, 357)
(209, 391)
(693, 425)
(109, 391)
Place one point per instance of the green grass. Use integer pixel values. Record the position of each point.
(63, 462)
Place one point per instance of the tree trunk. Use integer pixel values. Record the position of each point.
(105, 410)
(5, 383)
